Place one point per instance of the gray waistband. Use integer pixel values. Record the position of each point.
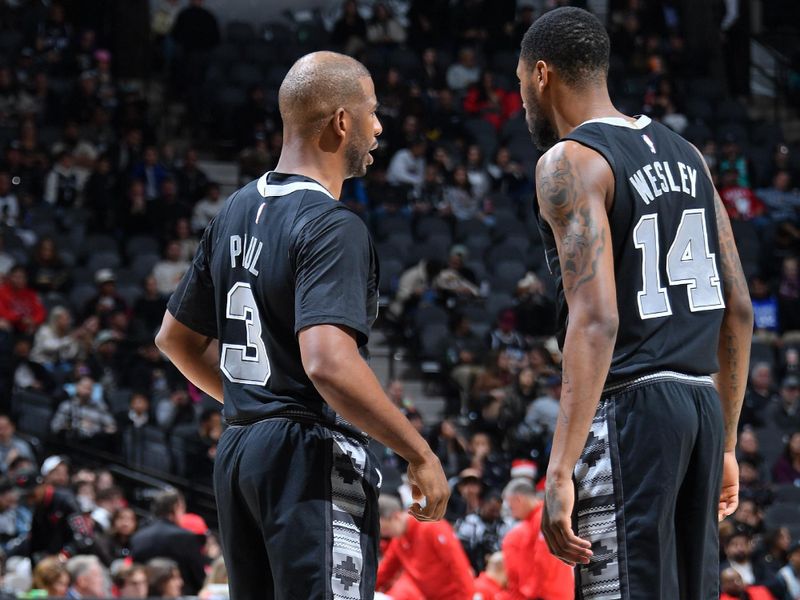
(656, 377)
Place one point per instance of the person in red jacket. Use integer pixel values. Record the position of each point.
(424, 560)
(490, 102)
(490, 584)
(533, 573)
(20, 306)
(733, 588)
(740, 202)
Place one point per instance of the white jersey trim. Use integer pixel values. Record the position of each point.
(268, 190)
(640, 123)
(658, 376)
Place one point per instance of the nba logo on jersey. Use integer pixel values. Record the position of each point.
(649, 143)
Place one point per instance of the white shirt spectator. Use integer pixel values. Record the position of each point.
(168, 274)
(204, 211)
(9, 210)
(407, 169)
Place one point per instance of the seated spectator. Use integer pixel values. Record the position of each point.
(164, 578)
(55, 343)
(201, 444)
(477, 173)
(100, 196)
(489, 584)
(787, 467)
(62, 187)
(505, 336)
(785, 413)
(163, 538)
(465, 72)
(55, 471)
(383, 29)
(781, 200)
(107, 362)
(82, 418)
(150, 172)
(168, 209)
(407, 166)
(107, 301)
(748, 516)
(148, 311)
(482, 533)
(138, 414)
(29, 374)
(87, 577)
(192, 181)
(460, 200)
(9, 203)
(790, 574)
(770, 556)
(457, 280)
(12, 447)
(188, 242)
(542, 414)
(789, 295)
(169, 271)
(118, 537)
(427, 557)
(350, 30)
(130, 581)
(747, 449)
(738, 553)
(495, 376)
(531, 570)
(107, 502)
(507, 176)
(216, 585)
(490, 102)
(415, 283)
(733, 159)
(20, 306)
(48, 273)
(752, 486)
(765, 309)
(733, 588)
(450, 446)
(466, 497)
(174, 410)
(759, 396)
(136, 215)
(740, 201)
(207, 208)
(51, 577)
(15, 520)
(463, 354)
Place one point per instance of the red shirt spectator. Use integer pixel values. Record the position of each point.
(491, 103)
(733, 588)
(532, 571)
(19, 304)
(490, 584)
(428, 555)
(740, 202)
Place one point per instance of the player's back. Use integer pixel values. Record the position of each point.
(276, 255)
(666, 249)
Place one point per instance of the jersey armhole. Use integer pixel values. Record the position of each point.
(607, 156)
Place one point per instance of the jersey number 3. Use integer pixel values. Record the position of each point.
(248, 363)
(689, 263)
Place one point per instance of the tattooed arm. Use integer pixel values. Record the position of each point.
(573, 186)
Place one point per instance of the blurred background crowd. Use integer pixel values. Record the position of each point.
(125, 125)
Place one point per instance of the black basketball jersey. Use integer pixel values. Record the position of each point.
(666, 249)
(282, 255)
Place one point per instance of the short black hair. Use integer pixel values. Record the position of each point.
(571, 39)
(165, 503)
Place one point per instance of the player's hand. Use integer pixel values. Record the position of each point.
(557, 524)
(429, 487)
(729, 493)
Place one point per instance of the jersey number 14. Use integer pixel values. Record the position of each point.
(689, 263)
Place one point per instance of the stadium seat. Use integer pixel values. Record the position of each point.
(428, 226)
(483, 134)
(104, 260)
(277, 33)
(406, 61)
(80, 295)
(146, 448)
(98, 242)
(497, 302)
(392, 224)
(239, 32)
(428, 314)
(245, 75)
(762, 352)
(505, 62)
(118, 401)
(143, 264)
(771, 443)
(431, 341)
(732, 110)
(504, 251)
(130, 293)
(505, 276)
(226, 54)
(782, 514)
(141, 244)
(788, 494)
(466, 230)
(34, 412)
(477, 245)
(391, 270)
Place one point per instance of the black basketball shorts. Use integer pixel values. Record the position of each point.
(647, 491)
(298, 512)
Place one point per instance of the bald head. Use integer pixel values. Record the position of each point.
(316, 86)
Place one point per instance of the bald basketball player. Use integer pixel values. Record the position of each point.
(271, 316)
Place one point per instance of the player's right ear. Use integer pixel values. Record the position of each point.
(340, 122)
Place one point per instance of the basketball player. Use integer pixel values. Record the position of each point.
(652, 302)
(285, 279)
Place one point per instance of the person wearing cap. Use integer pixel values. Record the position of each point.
(457, 279)
(790, 574)
(533, 572)
(466, 497)
(482, 533)
(106, 301)
(785, 414)
(489, 585)
(424, 560)
(55, 471)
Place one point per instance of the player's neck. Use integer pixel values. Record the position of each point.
(580, 106)
(302, 161)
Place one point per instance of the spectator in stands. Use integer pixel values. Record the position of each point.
(55, 471)
(216, 585)
(748, 516)
(531, 570)
(477, 174)
(495, 376)
(9, 203)
(505, 336)
(738, 553)
(542, 414)
(169, 208)
(130, 581)
(164, 578)
(350, 30)
(765, 309)
(450, 446)
(460, 200)
(747, 449)
(163, 538)
(185, 238)
(415, 283)
(15, 520)
(150, 172)
(789, 295)
(407, 166)
(100, 196)
(29, 374)
(457, 280)
(740, 201)
(138, 414)
(465, 72)
(734, 159)
(790, 574)
(175, 409)
(785, 414)
(62, 187)
(107, 502)
(733, 588)
(383, 30)
(490, 102)
(148, 309)
(781, 200)
(20, 306)
(466, 497)
(107, 301)
(12, 447)
(770, 556)
(787, 467)
(207, 207)
(482, 532)
(201, 444)
(196, 32)
(118, 538)
(82, 418)
(169, 271)
(87, 578)
(758, 397)
(192, 181)
(489, 584)
(51, 577)
(506, 175)
(427, 557)
(55, 343)
(48, 273)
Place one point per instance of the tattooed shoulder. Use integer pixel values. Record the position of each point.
(565, 204)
